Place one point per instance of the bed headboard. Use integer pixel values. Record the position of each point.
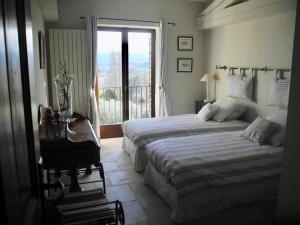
(270, 89)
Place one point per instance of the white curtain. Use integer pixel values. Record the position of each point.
(163, 101)
(91, 49)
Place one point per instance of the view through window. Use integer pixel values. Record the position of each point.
(110, 83)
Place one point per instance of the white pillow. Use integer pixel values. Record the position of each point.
(239, 110)
(225, 109)
(278, 137)
(207, 112)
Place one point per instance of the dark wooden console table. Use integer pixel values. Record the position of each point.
(71, 153)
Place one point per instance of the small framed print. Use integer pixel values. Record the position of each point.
(42, 49)
(185, 43)
(185, 65)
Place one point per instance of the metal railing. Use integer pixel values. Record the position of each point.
(111, 106)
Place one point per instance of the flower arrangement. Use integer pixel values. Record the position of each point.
(63, 83)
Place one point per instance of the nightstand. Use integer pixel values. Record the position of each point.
(198, 105)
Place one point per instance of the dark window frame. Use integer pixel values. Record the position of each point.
(125, 70)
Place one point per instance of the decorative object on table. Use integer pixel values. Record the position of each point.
(45, 114)
(185, 43)
(207, 78)
(63, 84)
(185, 65)
(42, 49)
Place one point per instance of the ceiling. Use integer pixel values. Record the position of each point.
(49, 10)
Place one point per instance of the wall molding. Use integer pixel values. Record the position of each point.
(227, 12)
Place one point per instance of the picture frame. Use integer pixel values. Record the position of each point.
(42, 51)
(185, 43)
(185, 65)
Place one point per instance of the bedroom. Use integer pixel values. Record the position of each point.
(167, 86)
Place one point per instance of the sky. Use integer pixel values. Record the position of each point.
(108, 41)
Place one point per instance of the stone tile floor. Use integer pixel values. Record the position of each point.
(142, 205)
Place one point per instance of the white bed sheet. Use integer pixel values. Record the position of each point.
(215, 159)
(210, 200)
(139, 133)
(137, 155)
(143, 131)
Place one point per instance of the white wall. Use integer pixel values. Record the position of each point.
(40, 74)
(69, 46)
(184, 88)
(257, 43)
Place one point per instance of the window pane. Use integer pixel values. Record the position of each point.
(139, 47)
(109, 60)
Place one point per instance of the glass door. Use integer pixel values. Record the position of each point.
(126, 69)
(140, 74)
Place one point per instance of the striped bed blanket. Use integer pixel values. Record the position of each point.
(197, 162)
(143, 131)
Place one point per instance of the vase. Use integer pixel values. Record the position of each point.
(64, 96)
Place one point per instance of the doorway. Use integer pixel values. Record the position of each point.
(126, 77)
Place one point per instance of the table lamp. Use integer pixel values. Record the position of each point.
(207, 78)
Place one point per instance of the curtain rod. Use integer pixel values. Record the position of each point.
(130, 20)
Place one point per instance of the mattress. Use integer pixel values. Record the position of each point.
(137, 156)
(208, 201)
(144, 131)
(221, 161)
(140, 132)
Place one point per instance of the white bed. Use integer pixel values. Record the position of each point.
(202, 174)
(140, 132)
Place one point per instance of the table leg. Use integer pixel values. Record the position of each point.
(88, 170)
(102, 176)
(74, 186)
(48, 180)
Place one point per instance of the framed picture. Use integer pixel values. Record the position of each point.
(42, 49)
(185, 43)
(184, 65)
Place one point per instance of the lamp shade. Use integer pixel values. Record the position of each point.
(207, 77)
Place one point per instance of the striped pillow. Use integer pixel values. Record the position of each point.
(232, 86)
(246, 87)
(260, 130)
(239, 86)
(279, 93)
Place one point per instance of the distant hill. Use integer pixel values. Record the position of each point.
(136, 60)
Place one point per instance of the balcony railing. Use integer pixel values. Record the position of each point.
(111, 106)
